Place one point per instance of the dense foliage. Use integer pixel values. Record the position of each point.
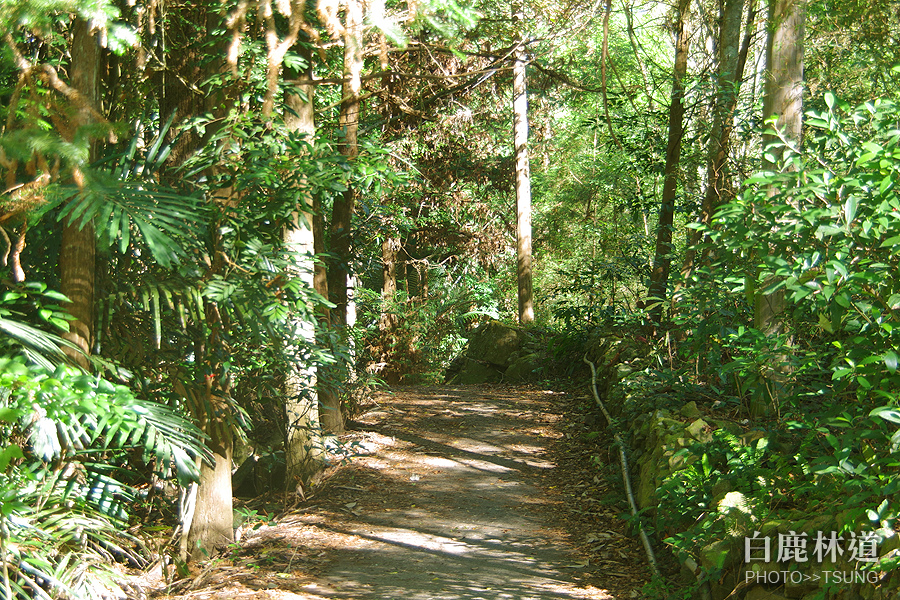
(160, 162)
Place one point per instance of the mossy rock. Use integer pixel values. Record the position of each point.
(729, 426)
(523, 368)
(698, 431)
(690, 411)
(717, 555)
(495, 343)
(475, 372)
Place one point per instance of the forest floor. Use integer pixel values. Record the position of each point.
(454, 493)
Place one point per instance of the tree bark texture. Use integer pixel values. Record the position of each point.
(784, 71)
(301, 103)
(304, 447)
(390, 249)
(342, 211)
(730, 73)
(77, 252)
(523, 180)
(784, 98)
(212, 527)
(659, 278)
(305, 450)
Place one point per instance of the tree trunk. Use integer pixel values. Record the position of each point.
(659, 278)
(304, 446)
(390, 249)
(523, 177)
(331, 415)
(395, 356)
(342, 211)
(77, 260)
(303, 413)
(732, 57)
(212, 525)
(784, 80)
(784, 98)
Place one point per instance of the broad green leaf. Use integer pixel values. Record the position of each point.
(850, 206)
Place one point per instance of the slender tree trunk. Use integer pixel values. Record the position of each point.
(303, 410)
(339, 290)
(331, 416)
(396, 357)
(604, 58)
(784, 71)
(304, 447)
(732, 58)
(635, 48)
(208, 525)
(784, 98)
(659, 278)
(342, 211)
(523, 176)
(77, 251)
(390, 249)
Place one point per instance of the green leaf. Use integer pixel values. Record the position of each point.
(7, 454)
(890, 361)
(888, 413)
(850, 206)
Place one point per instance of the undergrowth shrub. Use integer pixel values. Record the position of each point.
(823, 230)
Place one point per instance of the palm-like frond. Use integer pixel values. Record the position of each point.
(62, 513)
(123, 197)
(162, 217)
(37, 345)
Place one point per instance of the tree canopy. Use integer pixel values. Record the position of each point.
(222, 221)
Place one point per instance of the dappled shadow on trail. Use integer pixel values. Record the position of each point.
(448, 506)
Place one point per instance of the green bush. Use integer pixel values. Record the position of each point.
(823, 230)
(67, 442)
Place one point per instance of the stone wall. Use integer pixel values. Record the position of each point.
(722, 563)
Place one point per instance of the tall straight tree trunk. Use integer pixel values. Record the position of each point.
(207, 519)
(784, 72)
(659, 278)
(732, 58)
(784, 98)
(523, 175)
(342, 211)
(77, 251)
(304, 448)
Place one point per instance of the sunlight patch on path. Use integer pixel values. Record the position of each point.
(465, 526)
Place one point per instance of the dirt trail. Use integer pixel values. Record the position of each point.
(445, 503)
(465, 526)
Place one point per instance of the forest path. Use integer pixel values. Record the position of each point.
(454, 495)
(465, 519)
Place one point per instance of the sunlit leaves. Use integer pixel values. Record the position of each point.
(118, 208)
(41, 16)
(56, 502)
(829, 231)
